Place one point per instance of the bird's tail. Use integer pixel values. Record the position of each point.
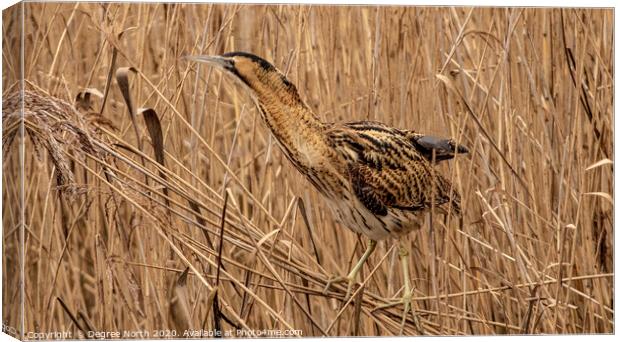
(450, 198)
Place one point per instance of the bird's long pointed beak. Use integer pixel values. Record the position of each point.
(218, 61)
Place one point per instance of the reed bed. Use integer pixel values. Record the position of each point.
(156, 204)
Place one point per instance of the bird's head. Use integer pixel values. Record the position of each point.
(260, 76)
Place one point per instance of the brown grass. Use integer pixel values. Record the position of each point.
(118, 206)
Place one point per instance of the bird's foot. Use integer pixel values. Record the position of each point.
(350, 278)
(406, 302)
(340, 279)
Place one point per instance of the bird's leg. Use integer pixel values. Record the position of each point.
(403, 255)
(353, 274)
(372, 244)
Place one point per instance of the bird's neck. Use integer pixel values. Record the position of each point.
(298, 130)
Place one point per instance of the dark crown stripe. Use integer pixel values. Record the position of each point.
(263, 63)
(266, 66)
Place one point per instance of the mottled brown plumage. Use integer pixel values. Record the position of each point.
(391, 174)
(378, 179)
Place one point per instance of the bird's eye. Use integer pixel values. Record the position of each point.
(230, 66)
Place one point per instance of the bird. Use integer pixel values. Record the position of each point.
(378, 180)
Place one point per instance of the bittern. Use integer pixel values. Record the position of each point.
(378, 180)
